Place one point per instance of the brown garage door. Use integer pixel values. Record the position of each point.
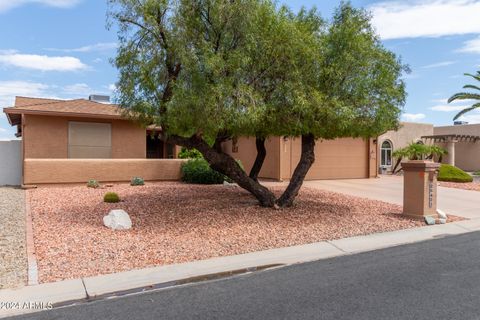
(345, 158)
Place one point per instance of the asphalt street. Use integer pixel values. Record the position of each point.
(438, 279)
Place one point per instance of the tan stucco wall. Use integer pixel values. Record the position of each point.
(335, 159)
(47, 137)
(408, 133)
(467, 154)
(45, 171)
(345, 158)
(247, 152)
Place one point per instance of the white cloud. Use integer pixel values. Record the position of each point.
(78, 89)
(6, 5)
(430, 18)
(41, 62)
(112, 87)
(413, 117)
(471, 46)
(102, 46)
(439, 64)
(10, 89)
(473, 117)
(447, 108)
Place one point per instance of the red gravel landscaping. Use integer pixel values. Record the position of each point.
(475, 186)
(175, 222)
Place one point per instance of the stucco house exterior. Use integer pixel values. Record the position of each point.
(462, 143)
(72, 141)
(392, 140)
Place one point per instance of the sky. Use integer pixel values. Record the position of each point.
(61, 49)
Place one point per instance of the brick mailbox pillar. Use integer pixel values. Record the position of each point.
(420, 188)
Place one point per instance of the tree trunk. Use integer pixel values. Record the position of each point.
(399, 160)
(261, 154)
(226, 165)
(306, 160)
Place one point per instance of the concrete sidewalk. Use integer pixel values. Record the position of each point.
(38, 297)
(462, 203)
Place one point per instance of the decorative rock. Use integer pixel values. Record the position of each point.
(441, 214)
(429, 220)
(228, 184)
(117, 220)
(442, 221)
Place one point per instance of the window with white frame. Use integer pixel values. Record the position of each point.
(89, 140)
(386, 154)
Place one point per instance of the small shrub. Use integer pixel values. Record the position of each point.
(137, 181)
(453, 174)
(93, 184)
(476, 173)
(189, 154)
(199, 171)
(111, 197)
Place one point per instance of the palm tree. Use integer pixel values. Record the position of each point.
(468, 95)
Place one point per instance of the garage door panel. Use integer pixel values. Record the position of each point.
(340, 159)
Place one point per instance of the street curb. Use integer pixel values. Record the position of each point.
(103, 286)
(32, 273)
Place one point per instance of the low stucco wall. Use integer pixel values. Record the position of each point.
(44, 171)
(11, 163)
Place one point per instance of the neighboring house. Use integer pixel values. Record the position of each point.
(72, 141)
(409, 132)
(66, 141)
(462, 142)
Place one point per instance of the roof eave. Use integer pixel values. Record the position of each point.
(10, 111)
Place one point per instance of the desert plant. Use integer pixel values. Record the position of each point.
(92, 183)
(199, 171)
(453, 174)
(137, 181)
(111, 197)
(189, 154)
(417, 151)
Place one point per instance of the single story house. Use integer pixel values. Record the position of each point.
(72, 141)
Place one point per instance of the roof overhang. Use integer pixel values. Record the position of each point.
(14, 115)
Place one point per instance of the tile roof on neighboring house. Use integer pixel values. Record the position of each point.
(55, 107)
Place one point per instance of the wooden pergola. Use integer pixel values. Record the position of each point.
(452, 138)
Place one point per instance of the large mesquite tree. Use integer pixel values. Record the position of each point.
(206, 71)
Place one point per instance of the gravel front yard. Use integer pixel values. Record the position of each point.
(13, 258)
(174, 223)
(475, 186)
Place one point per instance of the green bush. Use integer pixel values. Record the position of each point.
(189, 154)
(111, 197)
(93, 184)
(476, 173)
(137, 181)
(453, 174)
(199, 171)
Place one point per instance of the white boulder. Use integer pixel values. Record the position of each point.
(117, 220)
(441, 214)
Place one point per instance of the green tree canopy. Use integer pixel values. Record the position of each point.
(211, 70)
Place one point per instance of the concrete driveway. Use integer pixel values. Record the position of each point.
(463, 203)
